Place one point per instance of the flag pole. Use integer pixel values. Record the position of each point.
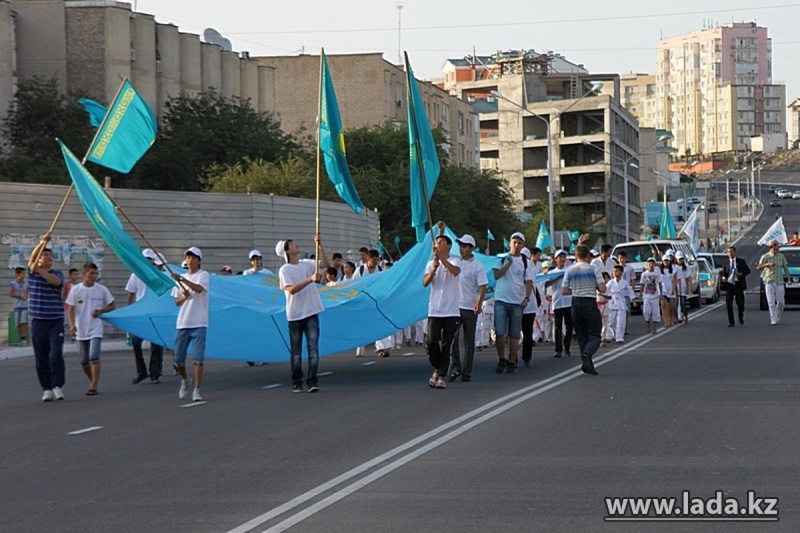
(319, 134)
(83, 162)
(420, 164)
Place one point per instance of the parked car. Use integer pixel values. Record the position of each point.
(792, 290)
(796, 195)
(712, 207)
(718, 261)
(773, 188)
(637, 253)
(775, 203)
(709, 281)
(785, 194)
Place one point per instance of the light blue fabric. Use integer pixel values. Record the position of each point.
(100, 210)
(667, 230)
(127, 132)
(423, 159)
(544, 241)
(96, 111)
(331, 141)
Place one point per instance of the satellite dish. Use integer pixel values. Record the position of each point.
(212, 36)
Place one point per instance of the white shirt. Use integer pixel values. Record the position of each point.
(620, 292)
(306, 302)
(193, 313)
(471, 279)
(511, 287)
(681, 275)
(668, 282)
(608, 266)
(86, 300)
(251, 271)
(445, 290)
(136, 286)
(363, 270)
(559, 299)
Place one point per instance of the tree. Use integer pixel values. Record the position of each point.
(39, 115)
(199, 132)
(566, 217)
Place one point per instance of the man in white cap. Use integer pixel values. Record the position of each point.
(299, 278)
(191, 296)
(513, 292)
(473, 283)
(773, 265)
(136, 290)
(562, 307)
(256, 264)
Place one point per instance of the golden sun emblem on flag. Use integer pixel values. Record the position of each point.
(340, 143)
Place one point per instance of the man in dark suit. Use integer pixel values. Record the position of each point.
(734, 273)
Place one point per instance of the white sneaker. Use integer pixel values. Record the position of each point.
(196, 396)
(58, 393)
(48, 396)
(184, 388)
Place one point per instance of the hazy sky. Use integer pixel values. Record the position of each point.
(612, 36)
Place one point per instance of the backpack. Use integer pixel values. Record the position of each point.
(361, 269)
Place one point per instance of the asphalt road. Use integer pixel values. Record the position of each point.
(698, 407)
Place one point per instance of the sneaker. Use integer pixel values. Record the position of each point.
(196, 396)
(184, 388)
(557, 355)
(297, 387)
(510, 367)
(48, 396)
(58, 394)
(466, 379)
(440, 384)
(526, 362)
(313, 388)
(453, 376)
(501, 366)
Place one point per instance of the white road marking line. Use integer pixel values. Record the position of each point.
(87, 430)
(407, 354)
(499, 405)
(273, 386)
(193, 404)
(324, 374)
(369, 363)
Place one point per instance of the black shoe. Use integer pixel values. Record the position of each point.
(312, 387)
(297, 387)
(465, 379)
(730, 325)
(138, 379)
(557, 355)
(568, 354)
(510, 367)
(741, 321)
(588, 366)
(501, 366)
(452, 377)
(526, 362)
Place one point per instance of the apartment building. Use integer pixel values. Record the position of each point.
(90, 45)
(568, 106)
(714, 88)
(794, 120)
(370, 91)
(638, 96)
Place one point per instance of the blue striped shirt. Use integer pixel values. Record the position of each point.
(44, 300)
(583, 279)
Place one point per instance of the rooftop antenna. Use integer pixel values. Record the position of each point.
(400, 7)
(212, 36)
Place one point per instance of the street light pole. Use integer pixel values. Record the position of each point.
(728, 203)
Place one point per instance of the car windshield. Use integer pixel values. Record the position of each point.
(792, 257)
(704, 268)
(638, 253)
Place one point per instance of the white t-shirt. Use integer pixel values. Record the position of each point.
(363, 270)
(445, 290)
(86, 300)
(136, 286)
(471, 279)
(251, 271)
(193, 313)
(681, 275)
(559, 299)
(511, 287)
(608, 266)
(306, 302)
(668, 282)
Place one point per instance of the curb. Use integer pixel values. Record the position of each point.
(69, 348)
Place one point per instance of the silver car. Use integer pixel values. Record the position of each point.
(709, 281)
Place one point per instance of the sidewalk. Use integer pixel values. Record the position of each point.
(14, 352)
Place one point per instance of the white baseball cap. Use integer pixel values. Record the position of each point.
(194, 250)
(594, 252)
(280, 249)
(160, 260)
(525, 252)
(255, 253)
(518, 235)
(559, 252)
(466, 239)
(679, 255)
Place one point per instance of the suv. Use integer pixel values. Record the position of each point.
(792, 292)
(637, 253)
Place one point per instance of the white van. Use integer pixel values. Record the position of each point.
(637, 253)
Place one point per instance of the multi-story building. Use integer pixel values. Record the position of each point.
(90, 45)
(638, 95)
(561, 108)
(714, 88)
(370, 91)
(794, 120)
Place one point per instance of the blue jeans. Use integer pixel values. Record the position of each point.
(297, 328)
(47, 338)
(588, 324)
(89, 350)
(507, 319)
(197, 336)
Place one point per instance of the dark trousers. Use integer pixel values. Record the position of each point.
(47, 339)
(527, 336)
(737, 293)
(308, 327)
(563, 317)
(466, 331)
(441, 333)
(156, 358)
(588, 324)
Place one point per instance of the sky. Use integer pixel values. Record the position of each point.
(606, 37)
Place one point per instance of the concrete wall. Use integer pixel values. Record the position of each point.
(143, 66)
(41, 39)
(225, 226)
(191, 65)
(211, 66)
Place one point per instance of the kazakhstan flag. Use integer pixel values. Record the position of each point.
(424, 161)
(331, 141)
(100, 210)
(667, 230)
(127, 132)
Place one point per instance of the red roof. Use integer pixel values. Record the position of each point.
(698, 168)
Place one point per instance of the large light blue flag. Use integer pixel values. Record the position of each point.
(667, 230)
(97, 112)
(423, 160)
(126, 133)
(543, 241)
(100, 210)
(331, 141)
